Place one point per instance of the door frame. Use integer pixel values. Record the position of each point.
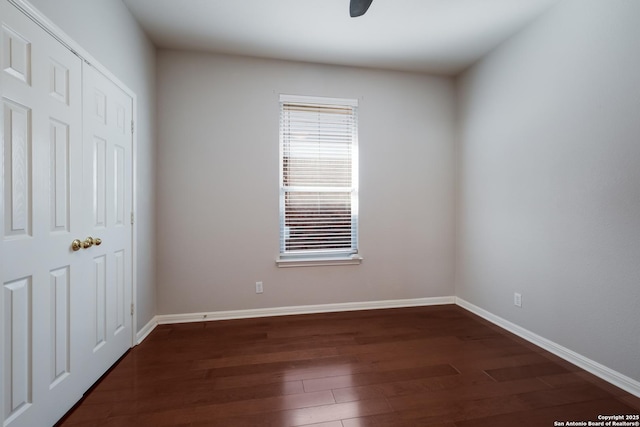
(46, 24)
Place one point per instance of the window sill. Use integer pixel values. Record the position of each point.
(319, 261)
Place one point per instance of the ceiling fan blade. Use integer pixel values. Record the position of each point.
(359, 7)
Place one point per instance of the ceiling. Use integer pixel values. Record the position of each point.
(435, 36)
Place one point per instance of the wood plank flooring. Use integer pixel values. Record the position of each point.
(435, 366)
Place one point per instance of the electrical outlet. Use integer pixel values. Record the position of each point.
(517, 299)
(259, 288)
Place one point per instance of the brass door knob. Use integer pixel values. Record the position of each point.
(97, 241)
(76, 245)
(88, 242)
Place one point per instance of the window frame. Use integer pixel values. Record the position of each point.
(320, 257)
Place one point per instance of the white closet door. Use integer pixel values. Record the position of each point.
(42, 299)
(66, 237)
(107, 131)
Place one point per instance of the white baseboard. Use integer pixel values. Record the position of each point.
(302, 309)
(146, 330)
(616, 378)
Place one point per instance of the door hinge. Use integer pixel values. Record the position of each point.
(131, 218)
(132, 309)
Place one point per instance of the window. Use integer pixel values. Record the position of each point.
(318, 181)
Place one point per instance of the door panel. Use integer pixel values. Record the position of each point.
(16, 59)
(99, 288)
(59, 179)
(17, 150)
(60, 292)
(41, 196)
(17, 356)
(107, 161)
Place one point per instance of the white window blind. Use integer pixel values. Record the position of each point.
(318, 177)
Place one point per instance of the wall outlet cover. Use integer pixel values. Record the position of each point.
(517, 299)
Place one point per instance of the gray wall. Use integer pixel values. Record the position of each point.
(106, 30)
(218, 184)
(549, 185)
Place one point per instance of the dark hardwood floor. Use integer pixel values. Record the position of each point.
(435, 366)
